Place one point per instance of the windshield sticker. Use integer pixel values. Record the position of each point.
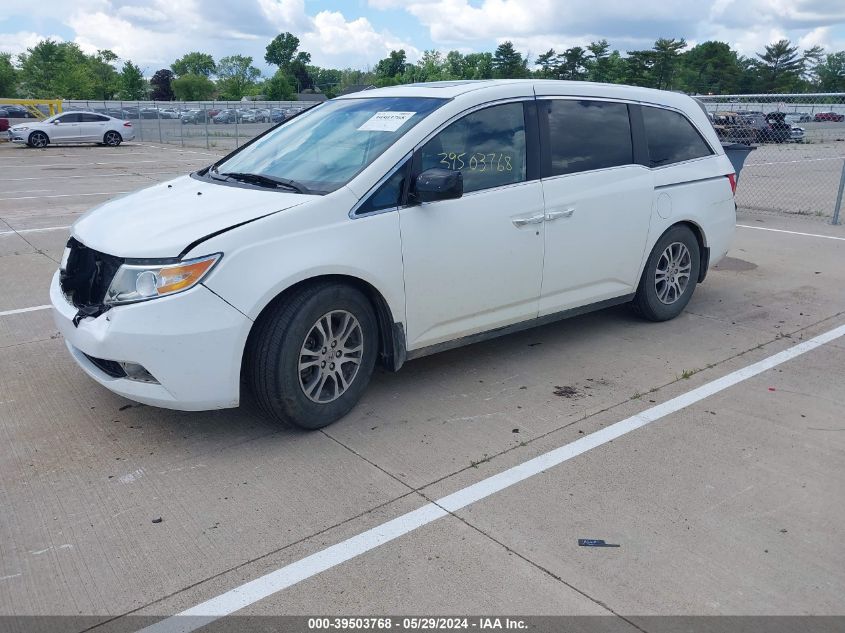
(385, 121)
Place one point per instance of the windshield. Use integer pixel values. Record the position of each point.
(324, 148)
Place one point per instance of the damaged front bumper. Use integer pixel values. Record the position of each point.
(189, 346)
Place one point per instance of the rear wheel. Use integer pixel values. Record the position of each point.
(38, 140)
(112, 138)
(670, 275)
(311, 356)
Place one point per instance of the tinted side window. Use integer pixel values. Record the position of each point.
(671, 137)
(388, 195)
(70, 118)
(93, 118)
(585, 135)
(487, 146)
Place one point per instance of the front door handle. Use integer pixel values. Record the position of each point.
(534, 219)
(555, 215)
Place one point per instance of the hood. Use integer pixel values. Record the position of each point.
(162, 220)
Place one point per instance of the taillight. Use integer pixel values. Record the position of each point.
(127, 124)
(732, 180)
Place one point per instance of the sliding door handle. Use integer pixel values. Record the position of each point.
(556, 215)
(534, 219)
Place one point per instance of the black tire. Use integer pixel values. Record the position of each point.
(272, 360)
(647, 302)
(38, 140)
(112, 138)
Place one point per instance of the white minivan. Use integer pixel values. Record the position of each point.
(388, 224)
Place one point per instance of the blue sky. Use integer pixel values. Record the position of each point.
(357, 33)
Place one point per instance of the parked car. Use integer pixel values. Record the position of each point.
(779, 130)
(796, 134)
(277, 115)
(251, 116)
(438, 222)
(4, 124)
(798, 117)
(73, 127)
(770, 128)
(16, 112)
(227, 116)
(731, 127)
(829, 116)
(194, 116)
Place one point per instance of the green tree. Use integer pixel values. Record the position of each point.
(667, 54)
(161, 85)
(548, 63)
(133, 86)
(638, 68)
(831, 73)
(780, 68)
(236, 76)
(281, 50)
(192, 87)
(478, 66)
(598, 61)
(8, 76)
(194, 63)
(389, 69)
(573, 64)
(327, 80)
(454, 66)
(812, 58)
(710, 68)
(508, 63)
(280, 87)
(52, 70)
(106, 82)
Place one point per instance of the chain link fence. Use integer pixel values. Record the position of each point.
(798, 164)
(220, 125)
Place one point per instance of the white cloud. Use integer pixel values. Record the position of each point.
(16, 43)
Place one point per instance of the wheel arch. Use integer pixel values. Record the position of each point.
(703, 249)
(31, 134)
(700, 237)
(392, 351)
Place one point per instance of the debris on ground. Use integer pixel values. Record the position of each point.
(567, 392)
(595, 542)
(158, 520)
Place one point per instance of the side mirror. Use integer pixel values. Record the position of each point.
(56, 122)
(439, 184)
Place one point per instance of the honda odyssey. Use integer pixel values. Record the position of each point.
(385, 225)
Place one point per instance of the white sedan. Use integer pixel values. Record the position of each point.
(73, 127)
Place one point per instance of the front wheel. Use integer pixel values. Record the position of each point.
(670, 275)
(38, 140)
(112, 138)
(311, 356)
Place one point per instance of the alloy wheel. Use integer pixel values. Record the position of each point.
(672, 274)
(38, 140)
(330, 356)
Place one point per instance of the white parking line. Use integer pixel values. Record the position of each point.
(22, 310)
(791, 162)
(264, 586)
(48, 228)
(67, 195)
(762, 228)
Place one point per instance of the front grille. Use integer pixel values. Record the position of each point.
(109, 367)
(87, 275)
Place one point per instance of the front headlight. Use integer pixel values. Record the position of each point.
(20, 128)
(142, 282)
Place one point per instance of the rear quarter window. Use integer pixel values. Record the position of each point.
(672, 138)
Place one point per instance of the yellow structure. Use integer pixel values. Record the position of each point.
(54, 106)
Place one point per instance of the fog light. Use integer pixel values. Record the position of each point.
(137, 372)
